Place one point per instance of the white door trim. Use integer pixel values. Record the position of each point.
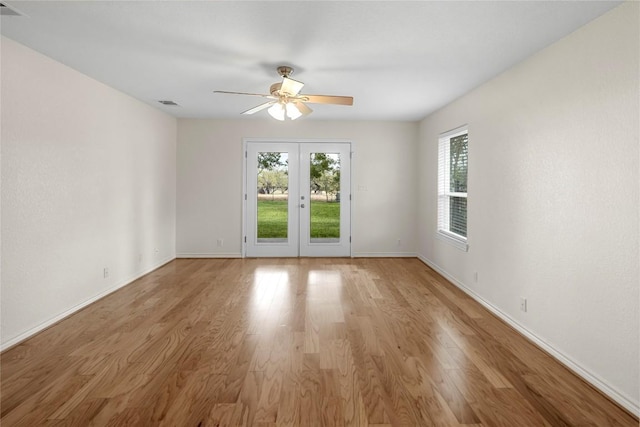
(248, 140)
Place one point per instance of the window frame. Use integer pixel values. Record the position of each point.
(444, 194)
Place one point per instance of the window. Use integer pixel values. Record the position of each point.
(452, 186)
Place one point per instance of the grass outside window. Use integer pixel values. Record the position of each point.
(272, 219)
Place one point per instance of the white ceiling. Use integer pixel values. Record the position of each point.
(400, 60)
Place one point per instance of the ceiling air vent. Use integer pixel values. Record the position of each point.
(168, 103)
(5, 10)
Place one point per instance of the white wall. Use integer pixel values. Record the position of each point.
(554, 199)
(88, 181)
(210, 182)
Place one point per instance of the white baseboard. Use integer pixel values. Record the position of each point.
(383, 255)
(575, 367)
(354, 255)
(29, 333)
(210, 255)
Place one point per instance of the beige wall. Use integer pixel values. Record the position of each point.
(210, 182)
(554, 199)
(88, 181)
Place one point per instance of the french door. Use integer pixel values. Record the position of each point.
(298, 199)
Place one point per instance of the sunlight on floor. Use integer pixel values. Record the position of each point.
(270, 285)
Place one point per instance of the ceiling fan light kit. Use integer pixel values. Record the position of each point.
(286, 100)
(276, 111)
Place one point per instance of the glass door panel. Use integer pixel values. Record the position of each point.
(324, 199)
(325, 223)
(272, 193)
(272, 197)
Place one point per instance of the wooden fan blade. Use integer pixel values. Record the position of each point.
(244, 93)
(328, 99)
(259, 107)
(290, 87)
(303, 108)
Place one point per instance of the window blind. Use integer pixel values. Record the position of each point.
(453, 160)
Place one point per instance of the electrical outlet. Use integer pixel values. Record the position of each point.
(475, 277)
(156, 251)
(399, 242)
(523, 304)
(105, 272)
(220, 243)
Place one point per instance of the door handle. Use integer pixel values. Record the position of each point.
(302, 205)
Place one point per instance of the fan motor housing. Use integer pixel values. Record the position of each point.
(275, 89)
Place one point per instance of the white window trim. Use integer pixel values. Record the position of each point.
(443, 234)
(453, 239)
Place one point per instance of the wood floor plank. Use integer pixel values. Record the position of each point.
(44, 402)
(309, 398)
(221, 415)
(291, 342)
(377, 402)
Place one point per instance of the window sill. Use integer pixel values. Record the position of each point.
(453, 240)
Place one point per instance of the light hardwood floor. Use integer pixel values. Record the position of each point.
(302, 342)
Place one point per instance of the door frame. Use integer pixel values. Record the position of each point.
(248, 140)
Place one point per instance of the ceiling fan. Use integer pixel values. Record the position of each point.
(286, 101)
